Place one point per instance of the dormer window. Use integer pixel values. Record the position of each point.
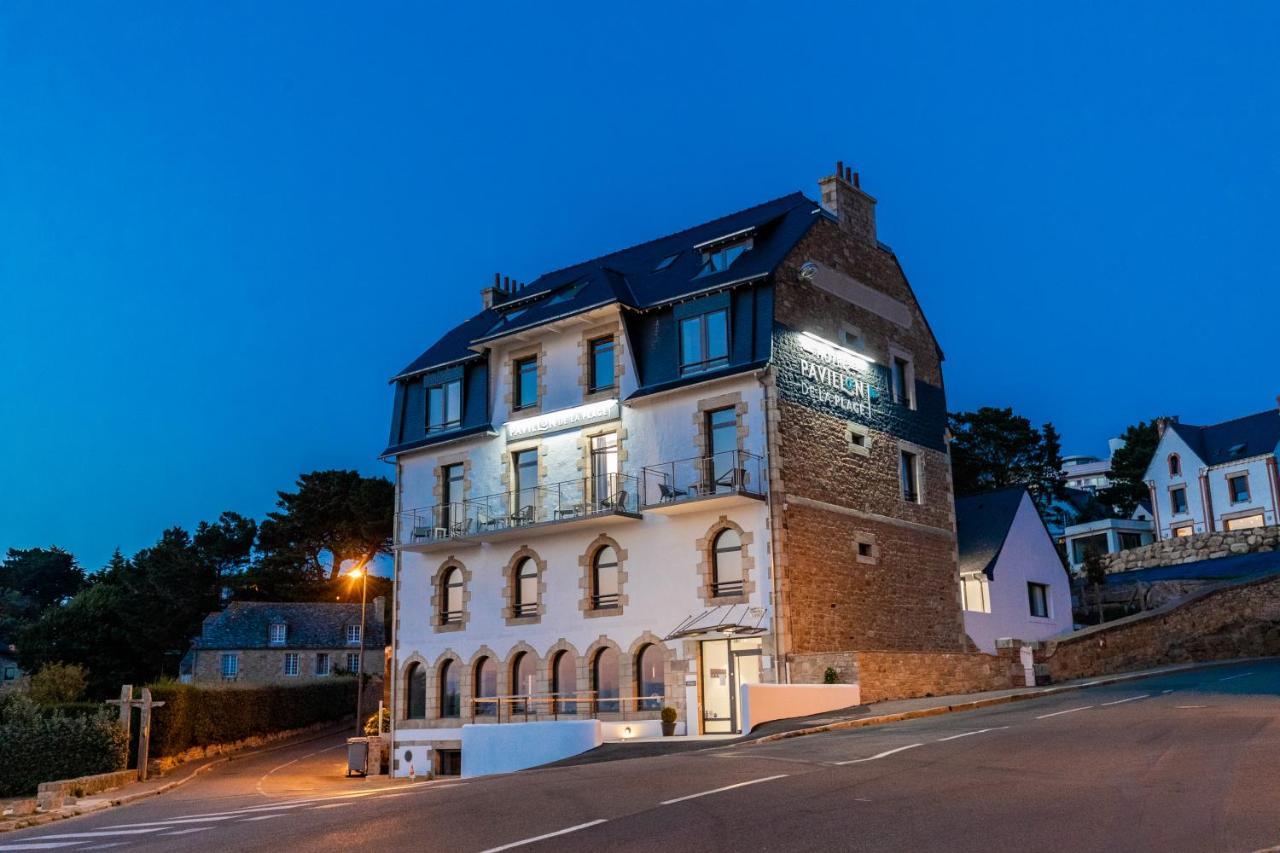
(666, 262)
(719, 258)
(704, 341)
(279, 633)
(444, 406)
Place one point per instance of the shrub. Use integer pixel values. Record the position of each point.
(831, 676)
(204, 716)
(38, 745)
(668, 714)
(58, 683)
(371, 724)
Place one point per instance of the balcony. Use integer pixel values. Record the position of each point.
(703, 482)
(513, 514)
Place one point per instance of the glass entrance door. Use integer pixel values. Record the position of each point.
(726, 666)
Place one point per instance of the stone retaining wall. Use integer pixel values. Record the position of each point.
(1191, 549)
(1240, 620)
(908, 675)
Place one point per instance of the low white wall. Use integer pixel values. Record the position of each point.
(639, 728)
(761, 703)
(503, 748)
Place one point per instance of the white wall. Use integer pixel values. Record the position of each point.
(508, 747)
(1028, 555)
(762, 703)
(1259, 491)
(1158, 473)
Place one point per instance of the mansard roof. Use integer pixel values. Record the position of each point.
(1251, 435)
(982, 525)
(644, 276)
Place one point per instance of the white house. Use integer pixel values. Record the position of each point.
(1107, 536)
(1218, 477)
(604, 476)
(1090, 472)
(1012, 581)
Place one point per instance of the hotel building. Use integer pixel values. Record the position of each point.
(711, 459)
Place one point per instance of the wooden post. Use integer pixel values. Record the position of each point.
(144, 735)
(126, 708)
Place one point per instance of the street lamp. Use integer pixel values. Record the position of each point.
(359, 571)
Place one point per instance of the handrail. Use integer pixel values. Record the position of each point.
(575, 704)
(726, 472)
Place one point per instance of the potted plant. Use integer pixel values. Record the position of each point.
(668, 721)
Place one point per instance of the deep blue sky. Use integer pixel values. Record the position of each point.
(223, 226)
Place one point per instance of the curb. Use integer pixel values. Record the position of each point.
(863, 722)
(126, 798)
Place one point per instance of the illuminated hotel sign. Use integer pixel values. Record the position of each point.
(565, 419)
(835, 377)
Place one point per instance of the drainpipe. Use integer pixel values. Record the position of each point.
(395, 617)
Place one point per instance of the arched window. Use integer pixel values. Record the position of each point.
(526, 580)
(726, 563)
(415, 679)
(450, 692)
(564, 682)
(651, 671)
(604, 680)
(523, 680)
(604, 578)
(485, 691)
(1175, 465)
(451, 600)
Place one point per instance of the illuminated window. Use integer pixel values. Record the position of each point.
(1183, 530)
(1244, 523)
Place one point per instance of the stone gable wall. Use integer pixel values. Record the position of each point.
(1191, 549)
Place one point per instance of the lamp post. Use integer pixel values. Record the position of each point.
(359, 571)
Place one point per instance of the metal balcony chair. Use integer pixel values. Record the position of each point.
(671, 493)
(616, 502)
(523, 516)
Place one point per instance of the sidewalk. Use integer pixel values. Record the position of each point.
(134, 791)
(864, 715)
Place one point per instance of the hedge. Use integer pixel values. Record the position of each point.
(46, 745)
(195, 716)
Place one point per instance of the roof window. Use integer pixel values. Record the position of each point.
(567, 293)
(666, 262)
(719, 258)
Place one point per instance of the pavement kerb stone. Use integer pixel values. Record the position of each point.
(975, 704)
(124, 799)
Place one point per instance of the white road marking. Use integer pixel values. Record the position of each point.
(1232, 677)
(1165, 692)
(884, 754)
(38, 845)
(966, 734)
(725, 788)
(101, 833)
(332, 806)
(105, 846)
(263, 817)
(1060, 713)
(1191, 707)
(548, 835)
(1130, 699)
(189, 831)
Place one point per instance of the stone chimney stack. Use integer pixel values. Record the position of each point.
(1162, 424)
(500, 291)
(842, 195)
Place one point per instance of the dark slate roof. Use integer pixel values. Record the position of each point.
(632, 277)
(312, 625)
(982, 525)
(1251, 435)
(1224, 568)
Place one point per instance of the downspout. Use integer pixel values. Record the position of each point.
(395, 617)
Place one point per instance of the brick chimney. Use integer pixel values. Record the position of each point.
(843, 196)
(1162, 424)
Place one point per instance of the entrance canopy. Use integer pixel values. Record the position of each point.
(729, 620)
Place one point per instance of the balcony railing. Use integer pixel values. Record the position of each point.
(564, 501)
(727, 472)
(580, 704)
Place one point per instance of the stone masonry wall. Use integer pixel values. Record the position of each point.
(835, 597)
(1241, 620)
(1191, 549)
(907, 675)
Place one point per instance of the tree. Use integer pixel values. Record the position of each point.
(994, 448)
(40, 577)
(338, 513)
(58, 683)
(1129, 468)
(1095, 574)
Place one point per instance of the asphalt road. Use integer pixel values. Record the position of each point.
(1186, 761)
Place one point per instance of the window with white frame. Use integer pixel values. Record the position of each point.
(353, 635)
(1038, 599)
(353, 662)
(279, 633)
(230, 666)
(291, 664)
(322, 663)
(975, 592)
(444, 406)
(704, 341)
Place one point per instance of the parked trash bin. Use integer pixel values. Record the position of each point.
(358, 756)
